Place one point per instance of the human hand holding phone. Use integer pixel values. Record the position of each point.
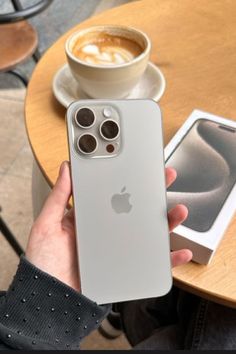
(52, 242)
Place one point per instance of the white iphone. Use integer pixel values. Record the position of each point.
(119, 195)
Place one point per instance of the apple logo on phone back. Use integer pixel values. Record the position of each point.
(120, 202)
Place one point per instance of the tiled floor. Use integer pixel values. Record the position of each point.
(15, 177)
(15, 154)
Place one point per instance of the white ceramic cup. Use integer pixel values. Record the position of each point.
(113, 81)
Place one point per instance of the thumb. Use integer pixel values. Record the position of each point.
(56, 203)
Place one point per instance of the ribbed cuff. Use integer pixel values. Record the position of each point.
(41, 312)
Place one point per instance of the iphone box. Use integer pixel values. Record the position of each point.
(203, 153)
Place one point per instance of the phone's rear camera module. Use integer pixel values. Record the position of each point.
(109, 129)
(84, 118)
(87, 143)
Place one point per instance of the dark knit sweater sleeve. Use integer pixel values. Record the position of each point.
(40, 312)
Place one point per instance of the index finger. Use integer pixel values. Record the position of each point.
(171, 175)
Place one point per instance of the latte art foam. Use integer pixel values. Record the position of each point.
(107, 55)
(105, 49)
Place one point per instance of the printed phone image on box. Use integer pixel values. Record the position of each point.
(203, 152)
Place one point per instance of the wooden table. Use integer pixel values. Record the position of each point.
(194, 44)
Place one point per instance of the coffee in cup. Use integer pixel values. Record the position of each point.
(108, 61)
(100, 48)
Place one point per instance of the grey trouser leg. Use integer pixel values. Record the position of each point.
(178, 320)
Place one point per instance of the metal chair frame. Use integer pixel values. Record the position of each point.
(10, 237)
(21, 14)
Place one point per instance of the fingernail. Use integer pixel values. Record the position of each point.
(62, 167)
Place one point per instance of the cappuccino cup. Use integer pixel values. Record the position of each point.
(108, 61)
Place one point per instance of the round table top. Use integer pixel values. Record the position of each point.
(195, 47)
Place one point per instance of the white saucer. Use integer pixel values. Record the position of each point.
(67, 90)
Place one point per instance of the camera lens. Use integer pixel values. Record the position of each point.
(109, 129)
(84, 117)
(87, 143)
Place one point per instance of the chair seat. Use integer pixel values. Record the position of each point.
(18, 42)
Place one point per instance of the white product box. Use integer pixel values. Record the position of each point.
(202, 244)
